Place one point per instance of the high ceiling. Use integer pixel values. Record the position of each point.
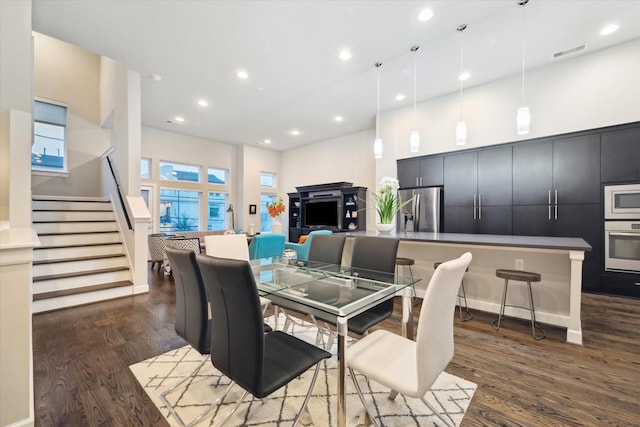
(290, 49)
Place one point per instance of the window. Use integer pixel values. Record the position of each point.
(267, 179)
(217, 203)
(179, 210)
(265, 219)
(179, 172)
(217, 176)
(145, 168)
(49, 149)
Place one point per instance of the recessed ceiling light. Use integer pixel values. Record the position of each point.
(464, 76)
(156, 77)
(425, 15)
(345, 54)
(295, 132)
(179, 119)
(338, 118)
(611, 28)
(267, 141)
(203, 103)
(242, 74)
(400, 97)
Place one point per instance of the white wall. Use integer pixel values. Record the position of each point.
(71, 75)
(348, 158)
(585, 92)
(253, 161)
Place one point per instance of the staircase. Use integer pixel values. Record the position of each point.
(81, 258)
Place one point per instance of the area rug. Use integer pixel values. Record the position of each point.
(450, 394)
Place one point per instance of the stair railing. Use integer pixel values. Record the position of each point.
(125, 209)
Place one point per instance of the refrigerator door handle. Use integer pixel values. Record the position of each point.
(416, 212)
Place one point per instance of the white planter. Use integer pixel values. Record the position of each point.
(384, 228)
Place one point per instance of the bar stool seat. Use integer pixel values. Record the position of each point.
(521, 276)
(406, 263)
(461, 297)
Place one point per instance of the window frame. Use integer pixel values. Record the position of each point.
(51, 170)
(161, 178)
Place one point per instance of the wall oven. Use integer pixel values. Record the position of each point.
(622, 201)
(622, 246)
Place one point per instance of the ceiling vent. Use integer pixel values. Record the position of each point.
(571, 51)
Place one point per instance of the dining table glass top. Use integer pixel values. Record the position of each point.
(334, 289)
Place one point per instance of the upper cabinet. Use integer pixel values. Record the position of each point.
(420, 172)
(620, 161)
(576, 169)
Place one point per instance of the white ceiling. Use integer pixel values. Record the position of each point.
(290, 50)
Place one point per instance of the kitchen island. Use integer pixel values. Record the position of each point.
(557, 259)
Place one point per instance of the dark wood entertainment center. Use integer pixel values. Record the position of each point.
(337, 206)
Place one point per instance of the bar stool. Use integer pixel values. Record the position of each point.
(522, 276)
(468, 315)
(406, 263)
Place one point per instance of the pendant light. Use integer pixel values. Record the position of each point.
(377, 143)
(523, 117)
(461, 126)
(414, 137)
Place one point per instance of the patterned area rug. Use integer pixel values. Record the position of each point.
(450, 393)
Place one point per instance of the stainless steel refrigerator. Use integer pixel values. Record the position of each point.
(423, 213)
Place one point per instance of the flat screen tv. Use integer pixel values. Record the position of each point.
(321, 214)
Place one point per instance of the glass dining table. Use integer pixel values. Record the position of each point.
(332, 293)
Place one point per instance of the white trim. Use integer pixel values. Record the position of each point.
(48, 172)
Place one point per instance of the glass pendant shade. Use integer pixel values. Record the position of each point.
(414, 141)
(523, 120)
(377, 148)
(461, 133)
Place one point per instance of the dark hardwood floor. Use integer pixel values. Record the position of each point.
(81, 358)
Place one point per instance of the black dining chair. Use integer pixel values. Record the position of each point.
(259, 363)
(371, 258)
(192, 317)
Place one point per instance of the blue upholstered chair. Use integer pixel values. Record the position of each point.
(302, 249)
(266, 245)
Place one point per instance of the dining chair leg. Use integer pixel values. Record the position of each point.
(163, 395)
(361, 396)
(306, 399)
(436, 413)
(218, 401)
(234, 409)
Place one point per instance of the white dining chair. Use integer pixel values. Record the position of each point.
(411, 367)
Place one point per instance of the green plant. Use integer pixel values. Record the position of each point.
(387, 201)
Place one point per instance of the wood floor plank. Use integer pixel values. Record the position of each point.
(81, 358)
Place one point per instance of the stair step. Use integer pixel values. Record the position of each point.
(42, 248)
(72, 215)
(84, 258)
(63, 252)
(77, 274)
(79, 281)
(87, 266)
(76, 291)
(72, 205)
(69, 239)
(57, 227)
(58, 303)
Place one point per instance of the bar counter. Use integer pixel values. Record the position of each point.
(557, 259)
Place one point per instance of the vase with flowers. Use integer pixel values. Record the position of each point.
(387, 203)
(275, 209)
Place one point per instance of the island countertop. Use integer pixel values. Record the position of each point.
(562, 243)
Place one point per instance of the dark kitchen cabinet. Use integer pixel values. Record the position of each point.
(620, 155)
(532, 173)
(576, 169)
(478, 191)
(421, 172)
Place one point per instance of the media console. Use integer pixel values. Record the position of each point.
(337, 206)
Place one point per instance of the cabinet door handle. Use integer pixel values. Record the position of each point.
(479, 205)
(417, 181)
(549, 198)
(556, 211)
(549, 206)
(556, 199)
(474, 206)
(420, 181)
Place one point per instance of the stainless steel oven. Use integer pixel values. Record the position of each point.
(622, 246)
(622, 201)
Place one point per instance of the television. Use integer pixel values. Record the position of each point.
(322, 213)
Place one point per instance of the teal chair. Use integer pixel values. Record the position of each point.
(266, 245)
(302, 249)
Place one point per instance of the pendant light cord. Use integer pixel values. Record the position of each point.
(414, 49)
(378, 65)
(523, 35)
(461, 29)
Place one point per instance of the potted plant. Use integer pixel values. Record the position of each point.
(275, 209)
(387, 203)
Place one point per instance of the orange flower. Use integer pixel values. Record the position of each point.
(276, 208)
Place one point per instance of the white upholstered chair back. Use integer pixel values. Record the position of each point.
(232, 246)
(434, 338)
